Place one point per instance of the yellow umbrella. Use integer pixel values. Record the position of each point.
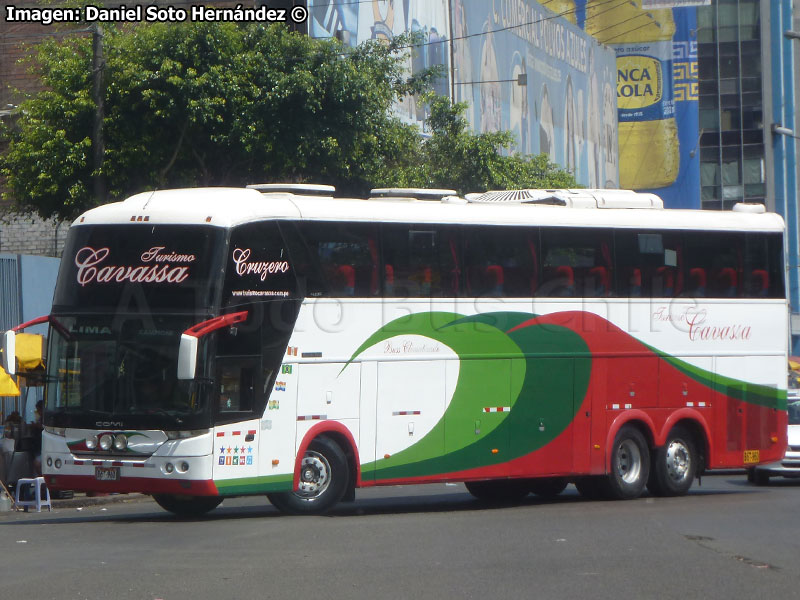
(7, 385)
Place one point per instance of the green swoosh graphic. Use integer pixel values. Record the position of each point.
(494, 371)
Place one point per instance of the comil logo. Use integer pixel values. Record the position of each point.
(639, 81)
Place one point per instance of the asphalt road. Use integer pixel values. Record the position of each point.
(727, 539)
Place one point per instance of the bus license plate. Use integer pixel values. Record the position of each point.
(751, 456)
(106, 473)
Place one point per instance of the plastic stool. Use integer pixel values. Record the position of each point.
(38, 483)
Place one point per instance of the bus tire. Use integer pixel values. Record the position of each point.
(547, 487)
(757, 476)
(499, 490)
(590, 487)
(187, 506)
(323, 481)
(630, 465)
(674, 464)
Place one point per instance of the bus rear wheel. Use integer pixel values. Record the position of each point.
(323, 481)
(630, 465)
(187, 506)
(674, 465)
(500, 490)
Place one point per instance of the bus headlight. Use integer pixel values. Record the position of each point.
(105, 441)
(91, 443)
(120, 442)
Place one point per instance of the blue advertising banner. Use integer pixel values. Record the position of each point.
(684, 191)
(657, 95)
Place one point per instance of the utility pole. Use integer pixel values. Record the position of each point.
(452, 51)
(98, 93)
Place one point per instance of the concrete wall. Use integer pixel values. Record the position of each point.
(22, 233)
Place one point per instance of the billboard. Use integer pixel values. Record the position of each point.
(384, 19)
(521, 67)
(623, 114)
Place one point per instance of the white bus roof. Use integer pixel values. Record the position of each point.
(226, 207)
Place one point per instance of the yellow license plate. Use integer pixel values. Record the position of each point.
(751, 456)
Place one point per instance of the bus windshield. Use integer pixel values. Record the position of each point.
(121, 370)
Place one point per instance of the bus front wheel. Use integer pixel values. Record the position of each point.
(500, 490)
(323, 481)
(187, 506)
(548, 487)
(630, 465)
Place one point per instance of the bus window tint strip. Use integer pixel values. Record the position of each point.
(361, 260)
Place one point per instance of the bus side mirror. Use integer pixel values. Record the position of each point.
(10, 352)
(187, 356)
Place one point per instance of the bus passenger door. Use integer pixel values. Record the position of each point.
(410, 428)
(236, 436)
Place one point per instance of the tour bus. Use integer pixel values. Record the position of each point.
(280, 340)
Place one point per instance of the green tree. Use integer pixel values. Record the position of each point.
(222, 104)
(207, 104)
(455, 158)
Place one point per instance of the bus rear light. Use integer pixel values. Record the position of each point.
(183, 466)
(58, 463)
(169, 468)
(49, 461)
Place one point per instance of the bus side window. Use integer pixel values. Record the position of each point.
(420, 260)
(648, 264)
(762, 270)
(715, 261)
(498, 261)
(346, 256)
(576, 262)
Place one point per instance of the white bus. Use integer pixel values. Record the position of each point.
(207, 343)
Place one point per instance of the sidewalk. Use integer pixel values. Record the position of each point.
(81, 499)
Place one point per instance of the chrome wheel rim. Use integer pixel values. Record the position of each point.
(679, 461)
(629, 461)
(315, 476)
